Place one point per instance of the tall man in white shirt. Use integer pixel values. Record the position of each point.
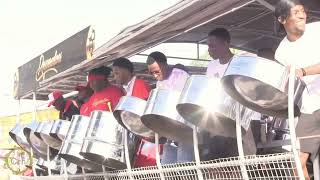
(300, 47)
(219, 49)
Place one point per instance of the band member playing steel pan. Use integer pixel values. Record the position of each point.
(106, 96)
(123, 71)
(299, 47)
(220, 146)
(172, 78)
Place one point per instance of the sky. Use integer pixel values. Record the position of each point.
(31, 27)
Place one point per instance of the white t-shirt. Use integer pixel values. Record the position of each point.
(129, 87)
(304, 52)
(215, 69)
(175, 81)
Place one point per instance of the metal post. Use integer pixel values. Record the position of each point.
(196, 152)
(65, 169)
(84, 173)
(156, 137)
(239, 144)
(48, 160)
(316, 168)
(127, 155)
(33, 164)
(33, 119)
(198, 51)
(292, 120)
(104, 172)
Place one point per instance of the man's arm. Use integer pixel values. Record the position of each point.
(310, 70)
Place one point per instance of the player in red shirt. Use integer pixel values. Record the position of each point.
(105, 95)
(123, 73)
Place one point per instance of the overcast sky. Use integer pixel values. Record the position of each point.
(30, 27)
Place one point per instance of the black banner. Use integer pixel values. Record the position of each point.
(66, 54)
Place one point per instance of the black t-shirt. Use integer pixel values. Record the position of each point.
(69, 110)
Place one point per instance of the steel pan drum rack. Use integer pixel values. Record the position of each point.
(272, 166)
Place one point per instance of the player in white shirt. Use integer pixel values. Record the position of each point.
(299, 47)
(172, 78)
(219, 146)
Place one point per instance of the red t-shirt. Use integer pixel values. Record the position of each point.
(146, 153)
(140, 89)
(103, 99)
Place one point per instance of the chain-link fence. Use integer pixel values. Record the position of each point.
(273, 166)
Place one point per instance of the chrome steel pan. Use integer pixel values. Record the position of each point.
(261, 85)
(128, 113)
(71, 146)
(103, 141)
(162, 117)
(204, 103)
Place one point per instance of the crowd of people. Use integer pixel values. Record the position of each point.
(297, 47)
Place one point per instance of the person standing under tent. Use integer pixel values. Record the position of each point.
(299, 47)
(105, 96)
(123, 71)
(219, 146)
(174, 79)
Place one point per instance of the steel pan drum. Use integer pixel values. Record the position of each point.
(71, 146)
(204, 103)
(128, 113)
(45, 135)
(59, 129)
(103, 141)
(162, 117)
(17, 135)
(37, 145)
(54, 165)
(261, 85)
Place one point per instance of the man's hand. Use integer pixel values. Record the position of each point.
(299, 73)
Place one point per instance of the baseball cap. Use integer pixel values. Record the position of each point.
(53, 97)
